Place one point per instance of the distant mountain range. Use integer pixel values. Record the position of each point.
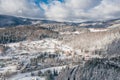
(8, 21)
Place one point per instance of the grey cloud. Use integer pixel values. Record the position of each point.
(81, 10)
(69, 10)
(25, 8)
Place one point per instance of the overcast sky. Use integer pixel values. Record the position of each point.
(62, 10)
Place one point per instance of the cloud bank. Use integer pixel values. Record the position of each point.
(25, 8)
(65, 10)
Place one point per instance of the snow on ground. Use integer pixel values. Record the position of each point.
(25, 50)
(2, 28)
(97, 30)
(114, 25)
(36, 22)
(5, 57)
(8, 68)
(75, 32)
(46, 45)
(31, 78)
(27, 75)
(33, 47)
(20, 77)
(67, 32)
(58, 69)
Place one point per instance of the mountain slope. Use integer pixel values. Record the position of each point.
(16, 34)
(6, 20)
(96, 69)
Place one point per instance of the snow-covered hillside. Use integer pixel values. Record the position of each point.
(45, 45)
(45, 49)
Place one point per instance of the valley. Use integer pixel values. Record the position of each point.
(50, 50)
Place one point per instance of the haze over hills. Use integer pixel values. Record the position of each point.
(50, 50)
